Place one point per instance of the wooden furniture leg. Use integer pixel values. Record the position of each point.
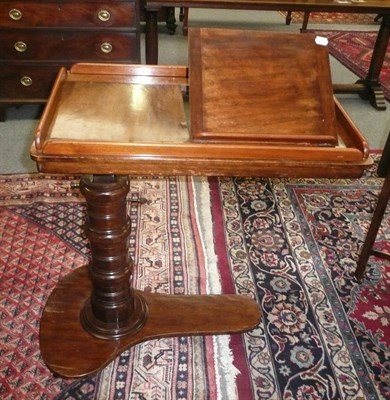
(3, 114)
(151, 37)
(94, 313)
(384, 162)
(171, 20)
(186, 11)
(370, 88)
(374, 92)
(377, 217)
(288, 17)
(305, 21)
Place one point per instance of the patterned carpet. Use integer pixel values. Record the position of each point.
(291, 244)
(332, 18)
(354, 50)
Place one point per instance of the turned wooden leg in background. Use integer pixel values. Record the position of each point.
(305, 21)
(374, 92)
(171, 20)
(370, 88)
(3, 114)
(384, 163)
(376, 221)
(151, 37)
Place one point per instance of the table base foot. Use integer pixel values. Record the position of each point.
(374, 94)
(369, 91)
(70, 351)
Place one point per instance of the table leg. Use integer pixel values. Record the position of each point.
(384, 163)
(3, 113)
(375, 224)
(94, 314)
(370, 88)
(171, 20)
(186, 13)
(151, 37)
(374, 90)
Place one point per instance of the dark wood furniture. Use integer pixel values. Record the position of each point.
(184, 14)
(38, 37)
(108, 121)
(306, 18)
(369, 88)
(377, 217)
(166, 14)
(183, 17)
(305, 21)
(384, 163)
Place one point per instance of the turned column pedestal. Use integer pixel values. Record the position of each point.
(94, 313)
(114, 310)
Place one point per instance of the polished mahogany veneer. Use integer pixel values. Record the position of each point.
(284, 74)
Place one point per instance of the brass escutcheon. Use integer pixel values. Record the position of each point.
(15, 14)
(20, 47)
(26, 81)
(106, 47)
(104, 15)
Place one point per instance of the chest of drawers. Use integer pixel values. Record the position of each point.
(38, 37)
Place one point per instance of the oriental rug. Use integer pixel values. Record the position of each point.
(333, 18)
(290, 244)
(354, 50)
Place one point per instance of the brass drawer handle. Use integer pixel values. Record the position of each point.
(15, 14)
(21, 47)
(104, 15)
(106, 47)
(26, 81)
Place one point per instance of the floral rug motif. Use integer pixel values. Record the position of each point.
(295, 244)
(290, 244)
(354, 50)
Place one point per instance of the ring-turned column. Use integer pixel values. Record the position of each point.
(113, 309)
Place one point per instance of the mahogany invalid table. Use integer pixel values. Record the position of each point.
(110, 121)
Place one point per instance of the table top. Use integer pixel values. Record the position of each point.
(371, 6)
(260, 86)
(131, 119)
(66, 140)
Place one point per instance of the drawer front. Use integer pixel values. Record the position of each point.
(26, 82)
(84, 14)
(102, 47)
(22, 15)
(72, 46)
(98, 15)
(29, 45)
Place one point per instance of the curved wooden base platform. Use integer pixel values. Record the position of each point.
(69, 351)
